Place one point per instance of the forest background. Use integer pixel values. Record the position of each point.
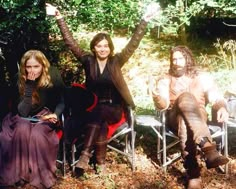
(208, 27)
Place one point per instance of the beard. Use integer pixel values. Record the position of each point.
(177, 71)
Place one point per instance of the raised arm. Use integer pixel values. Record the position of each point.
(66, 34)
(152, 10)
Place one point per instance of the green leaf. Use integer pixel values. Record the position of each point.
(77, 2)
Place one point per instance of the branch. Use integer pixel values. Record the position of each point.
(231, 25)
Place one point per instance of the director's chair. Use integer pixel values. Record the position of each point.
(167, 140)
(121, 135)
(157, 124)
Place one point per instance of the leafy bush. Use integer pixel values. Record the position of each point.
(23, 15)
(105, 15)
(24, 23)
(23, 26)
(108, 14)
(224, 58)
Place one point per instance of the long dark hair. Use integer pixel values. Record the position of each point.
(191, 69)
(99, 37)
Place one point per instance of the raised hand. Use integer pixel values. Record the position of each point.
(51, 10)
(152, 10)
(31, 76)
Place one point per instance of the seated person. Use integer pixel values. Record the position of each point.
(184, 93)
(104, 78)
(28, 149)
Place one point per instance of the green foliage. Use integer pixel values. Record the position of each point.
(230, 47)
(225, 57)
(178, 13)
(26, 17)
(22, 27)
(109, 15)
(105, 15)
(18, 14)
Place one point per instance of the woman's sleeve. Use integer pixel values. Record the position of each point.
(133, 43)
(60, 106)
(68, 39)
(25, 104)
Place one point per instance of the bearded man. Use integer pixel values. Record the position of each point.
(184, 93)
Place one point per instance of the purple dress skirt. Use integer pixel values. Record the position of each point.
(28, 152)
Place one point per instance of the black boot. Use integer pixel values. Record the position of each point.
(90, 138)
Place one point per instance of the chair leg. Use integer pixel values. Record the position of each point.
(159, 146)
(64, 159)
(62, 154)
(73, 162)
(226, 153)
(129, 144)
(130, 148)
(164, 148)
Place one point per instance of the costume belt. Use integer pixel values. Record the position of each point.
(105, 101)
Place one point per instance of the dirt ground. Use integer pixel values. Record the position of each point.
(147, 175)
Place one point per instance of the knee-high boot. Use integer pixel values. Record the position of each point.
(189, 154)
(196, 122)
(213, 158)
(193, 171)
(90, 138)
(101, 148)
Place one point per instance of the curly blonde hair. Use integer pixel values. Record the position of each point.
(44, 79)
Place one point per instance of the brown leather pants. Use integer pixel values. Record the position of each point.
(101, 116)
(188, 122)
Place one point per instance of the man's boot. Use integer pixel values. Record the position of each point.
(193, 173)
(213, 158)
(90, 138)
(195, 183)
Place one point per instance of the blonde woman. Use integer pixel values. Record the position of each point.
(28, 141)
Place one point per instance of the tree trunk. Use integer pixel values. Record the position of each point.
(182, 29)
